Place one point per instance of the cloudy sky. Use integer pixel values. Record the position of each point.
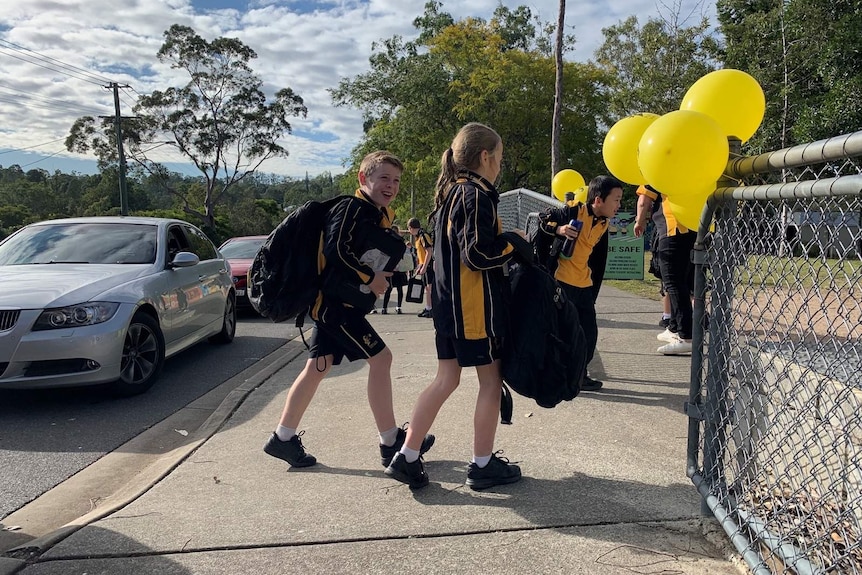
(56, 56)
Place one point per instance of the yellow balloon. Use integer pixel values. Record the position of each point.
(581, 194)
(687, 208)
(566, 181)
(732, 98)
(620, 148)
(682, 151)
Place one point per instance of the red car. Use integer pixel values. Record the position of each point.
(240, 252)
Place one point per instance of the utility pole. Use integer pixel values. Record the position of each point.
(124, 204)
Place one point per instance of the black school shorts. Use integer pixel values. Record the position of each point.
(468, 352)
(352, 337)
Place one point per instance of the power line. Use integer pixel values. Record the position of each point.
(31, 147)
(16, 47)
(36, 104)
(129, 103)
(61, 104)
(43, 159)
(67, 73)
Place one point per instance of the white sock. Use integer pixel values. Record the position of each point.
(665, 316)
(410, 455)
(284, 433)
(388, 437)
(481, 461)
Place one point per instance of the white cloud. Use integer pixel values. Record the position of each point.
(309, 52)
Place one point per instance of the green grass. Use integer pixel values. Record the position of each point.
(761, 270)
(797, 272)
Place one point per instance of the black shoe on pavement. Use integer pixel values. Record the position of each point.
(387, 452)
(383, 311)
(590, 384)
(291, 450)
(425, 313)
(413, 474)
(498, 472)
(664, 322)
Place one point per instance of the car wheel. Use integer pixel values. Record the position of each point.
(143, 356)
(228, 325)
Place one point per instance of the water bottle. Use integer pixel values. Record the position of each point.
(569, 245)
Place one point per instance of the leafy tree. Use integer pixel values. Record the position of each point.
(499, 72)
(811, 80)
(13, 217)
(220, 119)
(650, 67)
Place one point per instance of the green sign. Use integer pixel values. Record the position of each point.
(625, 251)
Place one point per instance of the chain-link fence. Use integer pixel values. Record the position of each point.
(775, 426)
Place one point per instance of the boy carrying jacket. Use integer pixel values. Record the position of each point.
(356, 239)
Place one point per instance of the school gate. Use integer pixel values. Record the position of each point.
(775, 399)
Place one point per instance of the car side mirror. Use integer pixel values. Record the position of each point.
(185, 260)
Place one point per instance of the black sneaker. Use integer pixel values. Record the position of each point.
(590, 384)
(387, 452)
(383, 311)
(664, 322)
(498, 472)
(290, 450)
(413, 474)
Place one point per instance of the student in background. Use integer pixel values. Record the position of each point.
(423, 245)
(677, 275)
(398, 279)
(574, 273)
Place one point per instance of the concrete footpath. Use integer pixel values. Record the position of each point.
(604, 488)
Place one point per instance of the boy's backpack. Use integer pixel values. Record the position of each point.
(545, 350)
(283, 280)
(546, 248)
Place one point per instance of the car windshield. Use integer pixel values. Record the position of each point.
(241, 249)
(80, 242)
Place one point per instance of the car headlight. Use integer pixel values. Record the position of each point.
(76, 315)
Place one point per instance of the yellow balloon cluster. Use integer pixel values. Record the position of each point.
(566, 181)
(620, 148)
(686, 208)
(730, 97)
(683, 153)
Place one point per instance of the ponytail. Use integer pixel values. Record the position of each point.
(448, 174)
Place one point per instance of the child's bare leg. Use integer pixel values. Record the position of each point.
(431, 400)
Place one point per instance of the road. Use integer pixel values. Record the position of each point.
(46, 436)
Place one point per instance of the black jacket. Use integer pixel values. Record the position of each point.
(353, 229)
(469, 255)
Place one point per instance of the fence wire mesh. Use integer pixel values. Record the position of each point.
(775, 429)
(776, 426)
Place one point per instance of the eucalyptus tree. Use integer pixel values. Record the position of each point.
(220, 120)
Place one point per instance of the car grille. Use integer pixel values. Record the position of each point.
(8, 319)
(56, 367)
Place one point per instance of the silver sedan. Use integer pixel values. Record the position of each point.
(87, 301)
